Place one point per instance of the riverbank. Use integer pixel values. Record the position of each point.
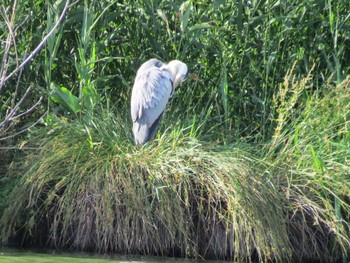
(89, 188)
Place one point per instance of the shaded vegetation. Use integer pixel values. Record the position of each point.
(252, 158)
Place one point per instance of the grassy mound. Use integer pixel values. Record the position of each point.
(87, 187)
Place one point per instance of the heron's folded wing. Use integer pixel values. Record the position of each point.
(151, 92)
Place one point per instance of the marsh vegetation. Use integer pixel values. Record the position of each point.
(252, 158)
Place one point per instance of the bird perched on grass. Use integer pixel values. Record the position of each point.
(154, 85)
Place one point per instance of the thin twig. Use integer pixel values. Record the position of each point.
(42, 43)
(27, 111)
(10, 114)
(24, 130)
(14, 110)
(14, 96)
(20, 148)
(7, 45)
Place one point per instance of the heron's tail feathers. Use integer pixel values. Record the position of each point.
(143, 133)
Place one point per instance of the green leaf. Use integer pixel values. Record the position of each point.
(224, 89)
(185, 10)
(65, 98)
(204, 25)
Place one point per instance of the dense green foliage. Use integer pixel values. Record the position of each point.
(237, 52)
(252, 156)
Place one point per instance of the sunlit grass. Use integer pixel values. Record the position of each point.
(311, 145)
(252, 157)
(173, 196)
(91, 188)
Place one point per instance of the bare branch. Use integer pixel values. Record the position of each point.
(29, 110)
(41, 44)
(7, 45)
(20, 148)
(14, 110)
(14, 95)
(24, 130)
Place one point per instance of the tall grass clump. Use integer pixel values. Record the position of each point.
(88, 188)
(310, 150)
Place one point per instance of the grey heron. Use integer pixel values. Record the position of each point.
(154, 85)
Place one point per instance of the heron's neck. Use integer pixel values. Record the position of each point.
(177, 81)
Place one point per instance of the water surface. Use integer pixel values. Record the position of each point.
(28, 256)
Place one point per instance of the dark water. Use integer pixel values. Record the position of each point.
(28, 256)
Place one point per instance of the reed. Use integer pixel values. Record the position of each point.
(251, 159)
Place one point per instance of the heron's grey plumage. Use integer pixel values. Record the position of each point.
(151, 91)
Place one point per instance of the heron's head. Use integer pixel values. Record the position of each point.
(179, 71)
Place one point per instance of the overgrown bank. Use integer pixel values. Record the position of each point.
(87, 187)
(252, 158)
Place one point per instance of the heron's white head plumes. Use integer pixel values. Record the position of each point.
(179, 71)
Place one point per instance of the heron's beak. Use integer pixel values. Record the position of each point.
(194, 77)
